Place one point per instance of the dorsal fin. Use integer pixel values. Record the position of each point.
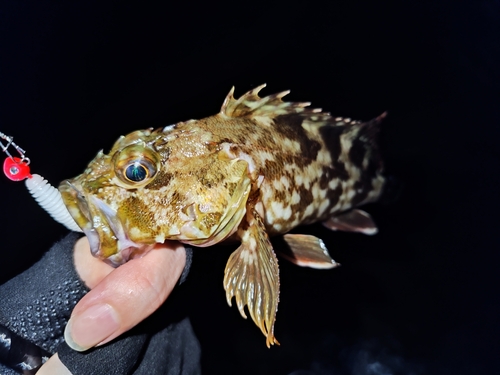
(252, 105)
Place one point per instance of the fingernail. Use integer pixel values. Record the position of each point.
(91, 327)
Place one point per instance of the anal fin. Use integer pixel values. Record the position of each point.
(352, 221)
(308, 251)
(252, 276)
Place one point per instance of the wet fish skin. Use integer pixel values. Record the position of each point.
(258, 168)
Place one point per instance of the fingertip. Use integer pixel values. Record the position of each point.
(96, 324)
(69, 339)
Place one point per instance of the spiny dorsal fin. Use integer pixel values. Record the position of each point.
(252, 105)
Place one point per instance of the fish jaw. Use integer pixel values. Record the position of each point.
(108, 238)
(228, 225)
(193, 233)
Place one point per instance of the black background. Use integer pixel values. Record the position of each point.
(421, 297)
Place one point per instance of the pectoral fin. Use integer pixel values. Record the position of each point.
(308, 251)
(352, 221)
(252, 276)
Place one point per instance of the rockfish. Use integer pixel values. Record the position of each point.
(258, 168)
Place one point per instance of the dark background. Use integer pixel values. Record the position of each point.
(421, 297)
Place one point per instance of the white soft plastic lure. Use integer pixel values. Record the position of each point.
(47, 196)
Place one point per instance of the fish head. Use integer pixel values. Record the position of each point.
(147, 191)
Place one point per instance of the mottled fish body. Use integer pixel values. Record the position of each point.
(259, 167)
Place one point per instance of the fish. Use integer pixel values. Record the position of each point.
(258, 168)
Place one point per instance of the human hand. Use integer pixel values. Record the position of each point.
(104, 313)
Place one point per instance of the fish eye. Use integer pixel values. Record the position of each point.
(136, 165)
(136, 172)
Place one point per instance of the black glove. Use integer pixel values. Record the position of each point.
(36, 305)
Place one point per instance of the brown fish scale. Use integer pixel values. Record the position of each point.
(162, 179)
(306, 198)
(211, 219)
(334, 196)
(275, 170)
(138, 214)
(365, 184)
(290, 126)
(331, 137)
(230, 186)
(235, 131)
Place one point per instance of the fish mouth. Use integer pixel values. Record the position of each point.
(106, 233)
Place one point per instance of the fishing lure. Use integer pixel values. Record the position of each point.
(47, 196)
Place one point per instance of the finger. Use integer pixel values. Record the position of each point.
(53, 366)
(90, 269)
(143, 283)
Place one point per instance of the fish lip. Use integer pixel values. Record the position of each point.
(76, 204)
(125, 247)
(93, 215)
(79, 209)
(114, 224)
(94, 241)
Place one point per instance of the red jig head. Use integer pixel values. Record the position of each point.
(16, 169)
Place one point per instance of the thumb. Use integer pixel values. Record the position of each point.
(125, 297)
